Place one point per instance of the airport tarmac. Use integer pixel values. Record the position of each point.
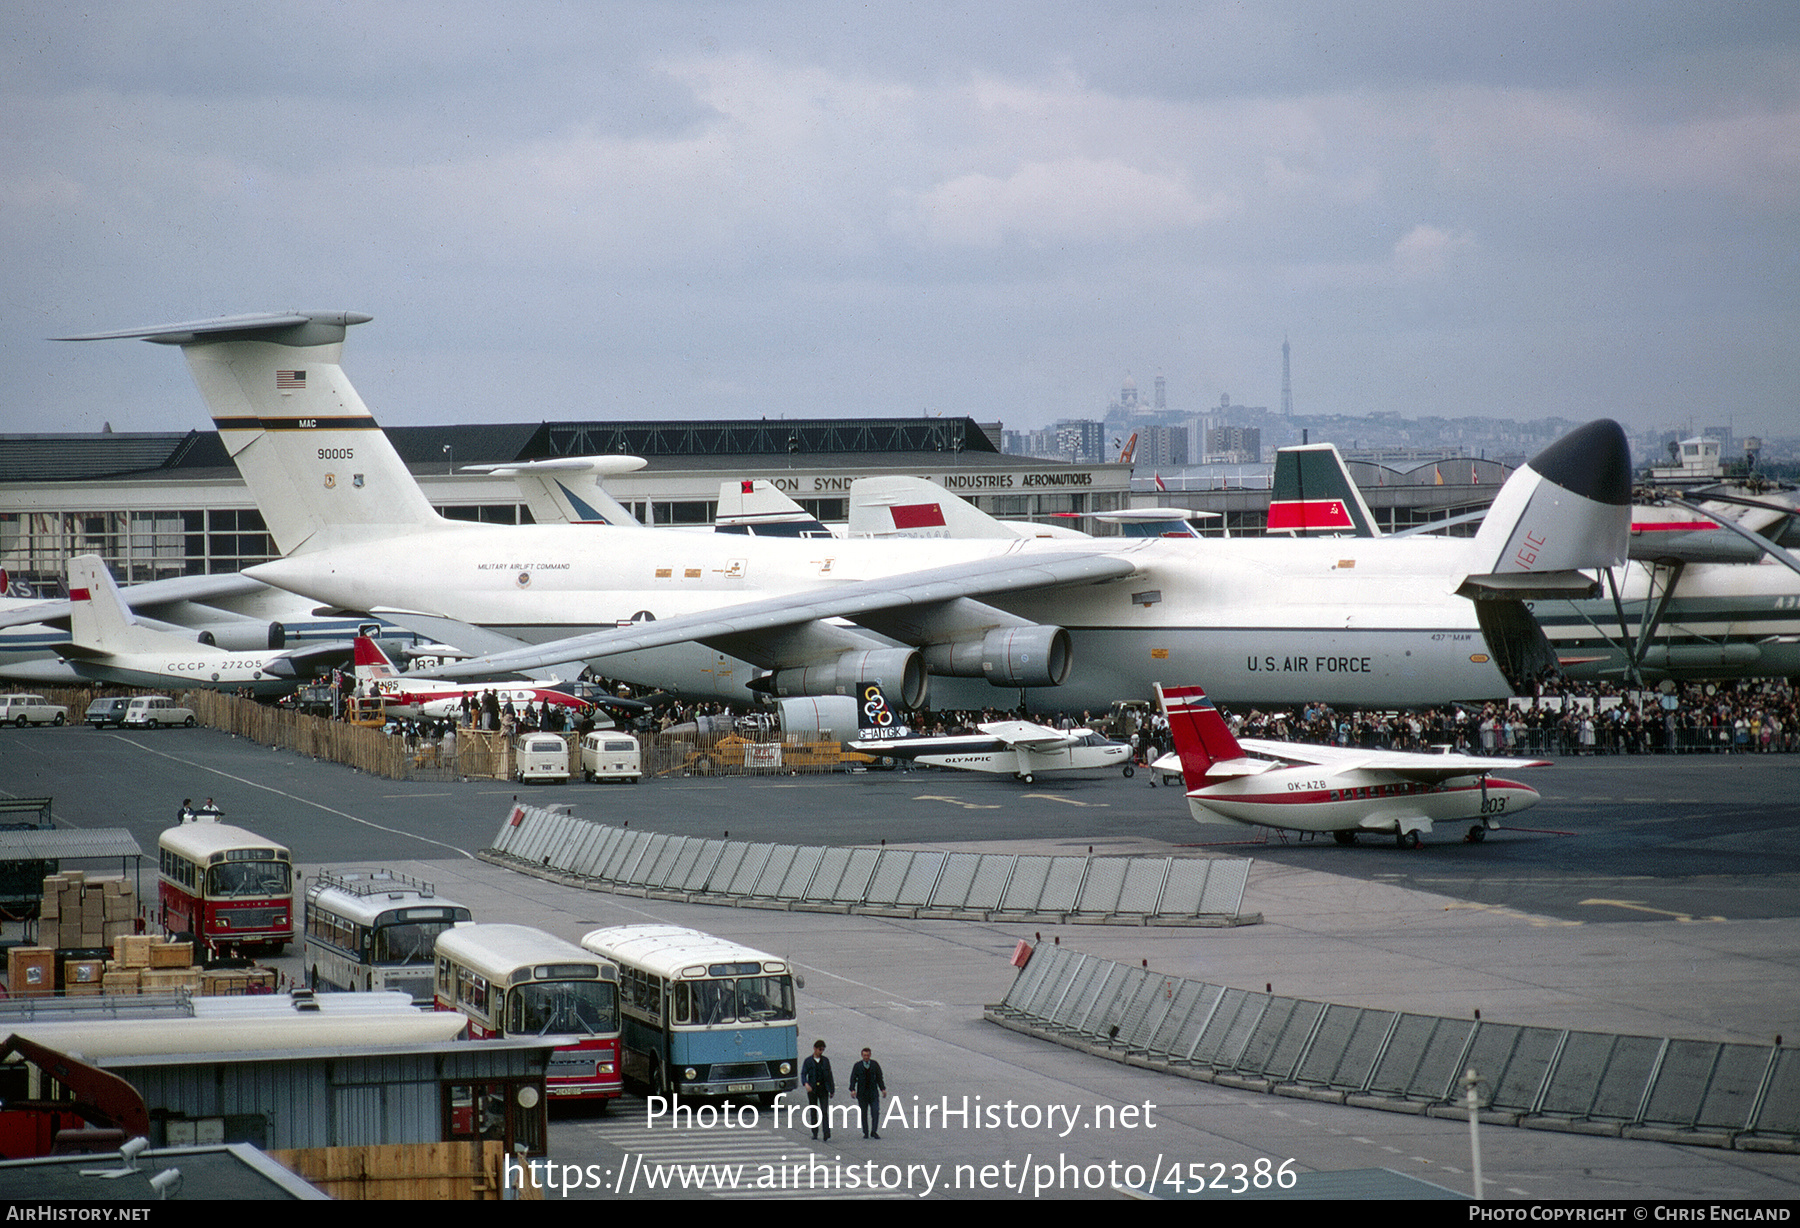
(1648, 896)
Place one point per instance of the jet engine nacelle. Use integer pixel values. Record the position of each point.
(830, 718)
(245, 636)
(900, 670)
(1007, 656)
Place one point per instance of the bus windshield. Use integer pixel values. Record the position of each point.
(407, 942)
(246, 878)
(543, 1007)
(745, 999)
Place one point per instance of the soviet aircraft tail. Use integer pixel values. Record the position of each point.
(99, 622)
(1201, 736)
(1313, 495)
(316, 462)
(915, 507)
(758, 508)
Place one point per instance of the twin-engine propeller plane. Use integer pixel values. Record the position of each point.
(1071, 623)
(1023, 749)
(1298, 787)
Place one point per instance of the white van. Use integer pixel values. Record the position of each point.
(145, 711)
(541, 757)
(607, 754)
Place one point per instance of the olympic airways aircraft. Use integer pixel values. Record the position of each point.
(1070, 624)
(1344, 791)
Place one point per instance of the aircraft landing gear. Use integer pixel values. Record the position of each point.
(1477, 833)
(1344, 837)
(1407, 839)
(1129, 771)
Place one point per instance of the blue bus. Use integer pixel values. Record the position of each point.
(701, 1016)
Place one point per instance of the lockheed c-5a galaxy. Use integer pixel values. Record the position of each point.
(1072, 624)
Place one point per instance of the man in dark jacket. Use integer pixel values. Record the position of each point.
(867, 1085)
(815, 1077)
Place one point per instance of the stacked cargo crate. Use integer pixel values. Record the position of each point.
(82, 917)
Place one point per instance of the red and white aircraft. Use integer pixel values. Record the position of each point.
(1341, 790)
(423, 698)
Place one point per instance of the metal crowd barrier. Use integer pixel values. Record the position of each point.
(1706, 1093)
(894, 882)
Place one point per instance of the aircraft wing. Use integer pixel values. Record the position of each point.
(981, 578)
(200, 589)
(912, 748)
(1028, 735)
(1416, 766)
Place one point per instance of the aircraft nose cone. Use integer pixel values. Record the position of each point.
(1593, 461)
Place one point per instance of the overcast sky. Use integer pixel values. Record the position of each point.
(695, 210)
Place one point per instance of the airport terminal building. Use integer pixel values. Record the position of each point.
(161, 504)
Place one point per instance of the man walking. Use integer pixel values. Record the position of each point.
(815, 1077)
(867, 1085)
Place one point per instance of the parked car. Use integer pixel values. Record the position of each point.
(23, 710)
(541, 757)
(147, 710)
(607, 754)
(109, 710)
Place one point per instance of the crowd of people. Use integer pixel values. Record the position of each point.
(1562, 718)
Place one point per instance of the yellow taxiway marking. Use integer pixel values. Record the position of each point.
(954, 801)
(1500, 910)
(1068, 801)
(1634, 906)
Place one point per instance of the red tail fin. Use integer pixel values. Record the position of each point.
(371, 662)
(1201, 736)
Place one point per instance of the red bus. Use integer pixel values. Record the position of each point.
(512, 980)
(230, 888)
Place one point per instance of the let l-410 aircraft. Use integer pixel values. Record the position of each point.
(1074, 624)
(1023, 749)
(108, 644)
(1299, 787)
(416, 698)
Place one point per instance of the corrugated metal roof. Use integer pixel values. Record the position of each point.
(57, 845)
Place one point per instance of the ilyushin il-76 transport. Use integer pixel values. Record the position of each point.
(1058, 624)
(1342, 790)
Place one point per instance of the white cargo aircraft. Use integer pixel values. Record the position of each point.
(1344, 791)
(1075, 623)
(1024, 750)
(107, 643)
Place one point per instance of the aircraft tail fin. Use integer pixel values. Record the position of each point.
(316, 462)
(915, 507)
(99, 621)
(371, 662)
(1566, 509)
(568, 489)
(760, 509)
(1313, 495)
(1201, 736)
